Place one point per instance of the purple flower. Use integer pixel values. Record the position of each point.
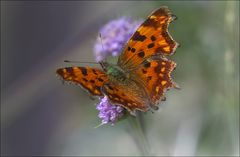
(108, 112)
(114, 36)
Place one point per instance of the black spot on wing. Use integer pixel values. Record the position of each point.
(94, 71)
(150, 45)
(99, 79)
(159, 50)
(149, 78)
(69, 70)
(144, 71)
(147, 64)
(133, 50)
(138, 37)
(153, 38)
(85, 80)
(109, 87)
(84, 71)
(141, 54)
(151, 23)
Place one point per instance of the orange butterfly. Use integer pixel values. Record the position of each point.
(142, 74)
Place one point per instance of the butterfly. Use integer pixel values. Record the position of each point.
(142, 74)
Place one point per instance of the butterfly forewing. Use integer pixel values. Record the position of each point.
(91, 79)
(151, 38)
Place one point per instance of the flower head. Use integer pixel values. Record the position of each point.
(114, 36)
(108, 112)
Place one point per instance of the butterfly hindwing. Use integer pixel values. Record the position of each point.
(155, 75)
(127, 94)
(91, 79)
(151, 38)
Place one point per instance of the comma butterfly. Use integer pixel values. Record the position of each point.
(142, 74)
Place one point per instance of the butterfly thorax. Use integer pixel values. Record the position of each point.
(114, 72)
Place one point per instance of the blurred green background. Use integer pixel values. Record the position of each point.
(41, 116)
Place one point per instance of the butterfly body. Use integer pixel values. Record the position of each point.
(114, 72)
(142, 74)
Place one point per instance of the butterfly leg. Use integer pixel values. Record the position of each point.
(152, 109)
(163, 98)
(133, 113)
(176, 86)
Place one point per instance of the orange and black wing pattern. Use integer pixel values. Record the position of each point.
(155, 75)
(91, 79)
(128, 95)
(151, 38)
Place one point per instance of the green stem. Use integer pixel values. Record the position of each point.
(138, 135)
(231, 75)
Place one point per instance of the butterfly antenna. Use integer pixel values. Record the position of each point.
(100, 36)
(67, 61)
(103, 63)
